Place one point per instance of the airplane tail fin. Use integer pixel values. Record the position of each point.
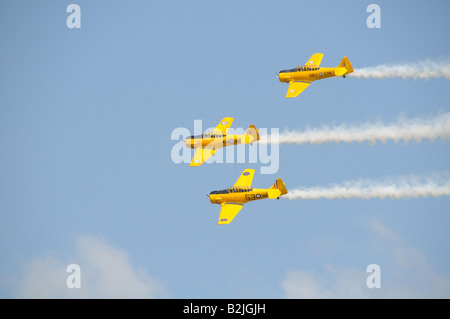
(252, 132)
(345, 63)
(280, 187)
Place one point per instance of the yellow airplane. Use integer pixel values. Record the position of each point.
(206, 144)
(233, 198)
(302, 76)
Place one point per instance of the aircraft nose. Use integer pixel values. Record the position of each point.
(280, 76)
(189, 142)
(212, 198)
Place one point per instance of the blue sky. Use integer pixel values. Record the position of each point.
(86, 175)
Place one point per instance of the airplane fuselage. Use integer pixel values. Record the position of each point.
(238, 195)
(309, 73)
(216, 141)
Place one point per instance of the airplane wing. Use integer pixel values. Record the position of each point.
(246, 178)
(224, 125)
(228, 212)
(296, 87)
(201, 155)
(315, 59)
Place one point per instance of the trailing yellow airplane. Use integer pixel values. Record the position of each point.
(302, 76)
(233, 198)
(207, 143)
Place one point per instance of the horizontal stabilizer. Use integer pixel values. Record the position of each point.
(273, 193)
(340, 71)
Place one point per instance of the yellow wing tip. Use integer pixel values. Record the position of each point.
(249, 171)
(195, 164)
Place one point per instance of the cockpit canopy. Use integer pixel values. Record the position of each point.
(301, 68)
(231, 190)
(206, 135)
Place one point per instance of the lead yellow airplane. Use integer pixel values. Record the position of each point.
(302, 76)
(233, 198)
(207, 143)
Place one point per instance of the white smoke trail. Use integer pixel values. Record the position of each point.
(419, 70)
(403, 187)
(404, 129)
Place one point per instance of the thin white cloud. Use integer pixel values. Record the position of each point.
(405, 273)
(304, 284)
(42, 277)
(413, 275)
(382, 232)
(106, 272)
(335, 283)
